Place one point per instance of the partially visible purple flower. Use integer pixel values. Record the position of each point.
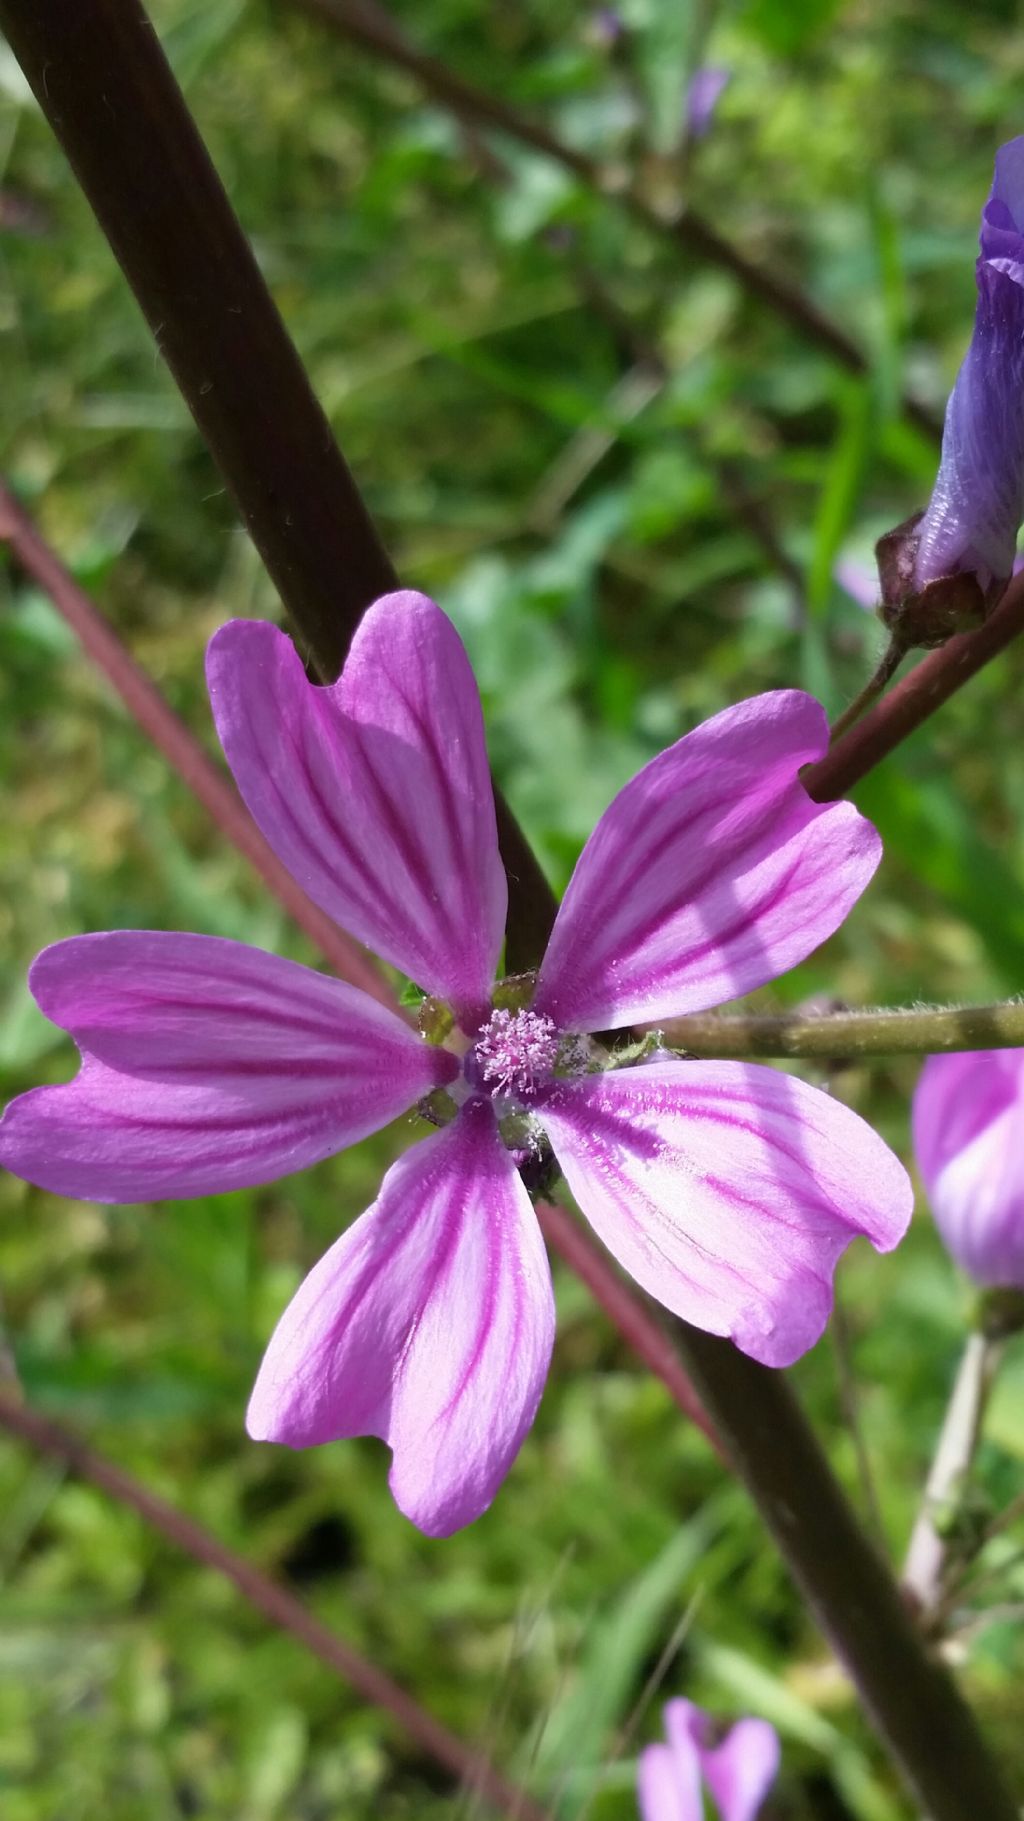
(738, 1772)
(969, 1140)
(858, 581)
(977, 505)
(702, 98)
(606, 26)
(727, 1190)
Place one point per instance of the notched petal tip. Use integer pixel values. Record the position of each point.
(735, 874)
(374, 791)
(244, 642)
(429, 1323)
(741, 1770)
(728, 1191)
(206, 1065)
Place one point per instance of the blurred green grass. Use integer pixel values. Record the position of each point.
(447, 337)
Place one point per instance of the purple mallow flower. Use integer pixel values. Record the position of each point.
(969, 1141)
(702, 97)
(728, 1191)
(737, 1772)
(978, 503)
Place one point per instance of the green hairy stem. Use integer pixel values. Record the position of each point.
(847, 1036)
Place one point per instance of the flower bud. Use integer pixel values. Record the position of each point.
(977, 506)
(924, 617)
(968, 1124)
(943, 570)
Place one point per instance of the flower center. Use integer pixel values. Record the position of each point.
(515, 1051)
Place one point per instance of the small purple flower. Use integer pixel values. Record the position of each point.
(969, 1141)
(977, 506)
(702, 97)
(728, 1191)
(738, 1772)
(606, 26)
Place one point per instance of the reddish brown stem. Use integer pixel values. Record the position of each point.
(143, 165)
(180, 748)
(911, 701)
(470, 1768)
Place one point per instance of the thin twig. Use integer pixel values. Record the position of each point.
(849, 1399)
(970, 1580)
(628, 1731)
(924, 1574)
(629, 1314)
(884, 671)
(646, 371)
(182, 751)
(272, 1600)
(630, 395)
(10, 1380)
(1011, 1613)
(751, 512)
(1003, 1520)
(368, 24)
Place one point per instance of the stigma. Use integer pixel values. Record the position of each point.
(515, 1052)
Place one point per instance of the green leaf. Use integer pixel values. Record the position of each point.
(580, 1726)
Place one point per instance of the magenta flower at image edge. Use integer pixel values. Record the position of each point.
(738, 1771)
(968, 1125)
(728, 1191)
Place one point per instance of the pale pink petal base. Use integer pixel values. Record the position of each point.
(430, 1323)
(728, 1191)
(206, 1066)
(710, 873)
(668, 1784)
(375, 792)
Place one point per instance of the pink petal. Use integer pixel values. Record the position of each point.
(375, 792)
(957, 1098)
(687, 1728)
(728, 1191)
(711, 872)
(740, 1772)
(429, 1323)
(206, 1065)
(969, 1140)
(667, 1789)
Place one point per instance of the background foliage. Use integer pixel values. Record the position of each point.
(582, 509)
